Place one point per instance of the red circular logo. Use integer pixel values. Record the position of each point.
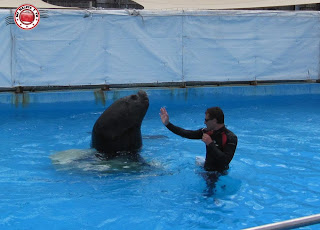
(27, 17)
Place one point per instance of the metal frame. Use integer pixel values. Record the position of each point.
(290, 224)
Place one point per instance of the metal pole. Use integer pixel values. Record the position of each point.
(290, 224)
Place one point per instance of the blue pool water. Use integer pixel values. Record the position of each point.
(49, 178)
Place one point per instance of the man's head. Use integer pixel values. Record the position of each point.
(214, 118)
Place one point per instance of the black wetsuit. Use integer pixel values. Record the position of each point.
(219, 153)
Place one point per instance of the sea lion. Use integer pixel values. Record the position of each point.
(118, 129)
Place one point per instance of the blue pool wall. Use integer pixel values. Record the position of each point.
(161, 95)
(97, 47)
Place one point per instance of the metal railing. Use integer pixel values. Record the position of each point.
(290, 224)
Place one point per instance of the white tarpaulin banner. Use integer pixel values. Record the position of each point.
(73, 47)
(264, 46)
(5, 50)
(70, 49)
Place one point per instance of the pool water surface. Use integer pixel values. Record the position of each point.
(50, 178)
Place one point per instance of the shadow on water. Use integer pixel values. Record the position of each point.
(153, 137)
(90, 161)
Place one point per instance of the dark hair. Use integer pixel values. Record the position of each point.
(216, 112)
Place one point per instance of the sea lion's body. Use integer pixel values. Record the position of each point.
(118, 129)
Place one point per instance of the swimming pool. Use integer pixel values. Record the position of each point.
(273, 176)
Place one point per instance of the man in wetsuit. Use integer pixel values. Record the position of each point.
(220, 142)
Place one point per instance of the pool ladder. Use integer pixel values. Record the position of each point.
(290, 224)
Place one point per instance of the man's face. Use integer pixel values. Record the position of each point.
(210, 123)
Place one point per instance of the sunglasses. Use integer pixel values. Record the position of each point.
(206, 120)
